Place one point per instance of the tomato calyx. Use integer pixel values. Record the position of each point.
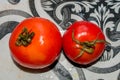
(86, 46)
(24, 38)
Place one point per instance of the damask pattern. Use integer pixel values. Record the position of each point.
(104, 13)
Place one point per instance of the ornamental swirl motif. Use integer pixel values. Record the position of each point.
(104, 13)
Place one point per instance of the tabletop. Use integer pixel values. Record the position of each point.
(105, 13)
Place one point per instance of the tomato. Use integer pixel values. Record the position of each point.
(83, 42)
(35, 43)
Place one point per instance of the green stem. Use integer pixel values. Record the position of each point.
(87, 46)
(24, 38)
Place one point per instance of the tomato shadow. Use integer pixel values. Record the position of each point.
(29, 70)
(80, 65)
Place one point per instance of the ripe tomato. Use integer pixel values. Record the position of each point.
(35, 43)
(83, 42)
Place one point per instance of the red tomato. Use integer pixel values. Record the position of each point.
(83, 42)
(35, 43)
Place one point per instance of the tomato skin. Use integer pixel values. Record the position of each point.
(83, 31)
(44, 48)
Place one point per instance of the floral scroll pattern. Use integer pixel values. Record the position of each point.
(105, 13)
(102, 13)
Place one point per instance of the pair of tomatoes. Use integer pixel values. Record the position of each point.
(36, 43)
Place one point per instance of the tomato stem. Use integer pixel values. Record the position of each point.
(24, 38)
(87, 46)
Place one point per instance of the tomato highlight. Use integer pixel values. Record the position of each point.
(35, 43)
(83, 42)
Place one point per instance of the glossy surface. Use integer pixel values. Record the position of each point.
(83, 31)
(61, 12)
(44, 48)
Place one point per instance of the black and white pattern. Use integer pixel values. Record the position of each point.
(105, 13)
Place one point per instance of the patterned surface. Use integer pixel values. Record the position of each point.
(104, 13)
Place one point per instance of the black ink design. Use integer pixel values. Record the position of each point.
(118, 76)
(61, 72)
(80, 73)
(104, 70)
(14, 1)
(113, 34)
(33, 9)
(7, 27)
(100, 79)
(14, 12)
(104, 13)
(100, 12)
